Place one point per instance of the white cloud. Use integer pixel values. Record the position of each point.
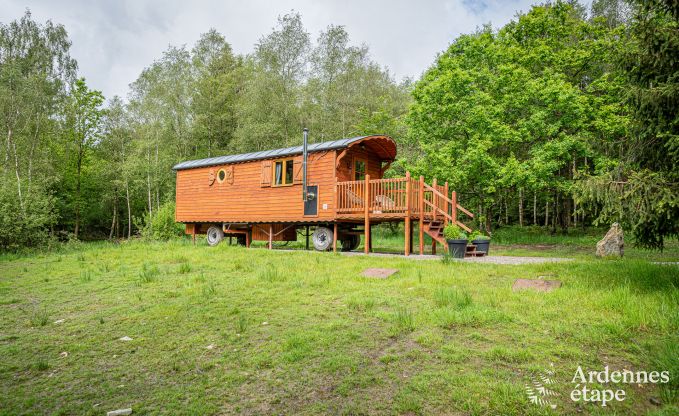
(113, 41)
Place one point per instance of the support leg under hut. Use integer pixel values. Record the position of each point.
(420, 207)
(366, 207)
(407, 227)
(334, 239)
(270, 236)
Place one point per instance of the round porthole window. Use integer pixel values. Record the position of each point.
(221, 175)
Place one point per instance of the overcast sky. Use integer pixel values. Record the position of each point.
(114, 40)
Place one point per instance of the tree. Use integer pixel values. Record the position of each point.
(35, 69)
(115, 152)
(269, 106)
(520, 109)
(645, 182)
(218, 82)
(83, 121)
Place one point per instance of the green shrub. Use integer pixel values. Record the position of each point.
(161, 225)
(25, 224)
(454, 232)
(478, 235)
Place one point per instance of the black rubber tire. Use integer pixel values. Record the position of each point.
(355, 242)
(322, 238)
(215, 235)
(351, 242)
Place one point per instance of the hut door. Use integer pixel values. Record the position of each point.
(311, 204)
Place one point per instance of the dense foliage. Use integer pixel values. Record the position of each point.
(73, 167)
(559, 118)
(534, 123)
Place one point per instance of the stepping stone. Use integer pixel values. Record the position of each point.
(535, 284)
(379, 273)
(119, 412)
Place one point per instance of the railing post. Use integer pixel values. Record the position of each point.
(421, 208)
(445, 217)
(366, 203)
(454, 214)
(407, 219)
(434, 199)
(335, 199)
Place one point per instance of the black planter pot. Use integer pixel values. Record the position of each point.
(482, 245)
(457, 248)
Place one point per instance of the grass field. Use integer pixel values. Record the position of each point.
(229, 330)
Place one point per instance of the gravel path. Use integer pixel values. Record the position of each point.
(486, 259)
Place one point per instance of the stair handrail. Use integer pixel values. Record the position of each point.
(436, 192)
(445, 214)
(439, 194)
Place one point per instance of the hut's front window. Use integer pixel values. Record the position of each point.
(283, 172)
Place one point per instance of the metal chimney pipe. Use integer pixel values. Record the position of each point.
(304, 160)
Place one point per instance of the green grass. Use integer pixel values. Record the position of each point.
(306, 333)
(532, 241)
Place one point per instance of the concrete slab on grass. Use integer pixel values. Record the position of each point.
(536, 284)
(379, 273)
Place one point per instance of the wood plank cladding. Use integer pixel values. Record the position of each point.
(346, 165)
(248, 195)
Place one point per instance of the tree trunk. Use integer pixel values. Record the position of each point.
(489, 215)
(547, 213)
(113, 220)
(555, 215)
(520, 207)
(148, 183)
(535, 208)
(18, 176)
(129, 212)
(8, 148)
(575, 213)
(77, 194)
(506, 212)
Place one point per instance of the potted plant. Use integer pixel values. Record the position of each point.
(457, 240)
(481, 241)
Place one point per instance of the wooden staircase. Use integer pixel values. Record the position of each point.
(471, 251)
(434, 229)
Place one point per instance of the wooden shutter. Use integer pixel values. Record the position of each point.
(297, 171)
(266, 173)
(229, 175)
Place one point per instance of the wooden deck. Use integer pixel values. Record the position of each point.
(395, 199)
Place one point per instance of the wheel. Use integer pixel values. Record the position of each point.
(322, 238)
(214, 235)
(241, 240)
(355, 242)
(350, 242)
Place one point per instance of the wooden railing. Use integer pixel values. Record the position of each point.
(385, 196)
(407, 197)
